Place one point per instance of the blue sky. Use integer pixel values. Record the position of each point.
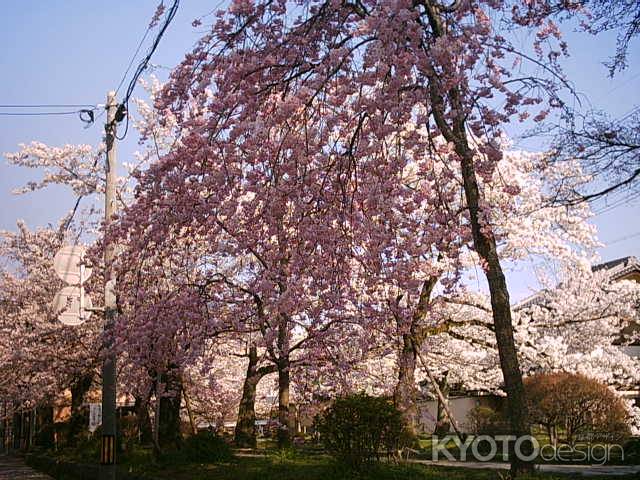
(75, 51)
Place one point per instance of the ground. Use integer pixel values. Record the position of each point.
(12, 468)
(296, 466)
(274, 467)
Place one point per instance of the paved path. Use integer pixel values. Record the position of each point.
(573, 470)
(13, 468)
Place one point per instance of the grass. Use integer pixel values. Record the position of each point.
(293, 466)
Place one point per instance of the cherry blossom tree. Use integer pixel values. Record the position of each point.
(516, 218)
(80, 168)
(573, 327)
(42, 358)
(319, 168)
(364, 70)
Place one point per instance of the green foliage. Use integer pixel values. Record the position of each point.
(86, 449)
(283, 455)
(45, 436)
(486, 421)
(632, 451)
(128, 428)
(205, 447)
(358, 429)
(266, 467)
(570, 406)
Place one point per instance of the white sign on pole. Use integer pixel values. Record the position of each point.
(68, 264)
(72, 305)
(95, 416)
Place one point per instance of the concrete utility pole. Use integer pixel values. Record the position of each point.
(108, 450)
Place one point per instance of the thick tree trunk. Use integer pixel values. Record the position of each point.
(79, 390)
(485, 245)
(443, 425)
(404, 395)
(17, 429)
(284, 414)
(405, 392)
(245, 432)
(187, 404)
(169, 435)
(143, 419)
(45, 427)
(553, 438)
(283, 364)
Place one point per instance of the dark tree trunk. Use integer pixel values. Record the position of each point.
(245, 432)
(143, 419)
(404, 395)
(443, 425)
(283, 364)
(79, 420)
(551, 431)
(45, 427)
(284, 415)
(169, 434)
(485, 245)
(405, 392)
(79, 390)
(17, 428)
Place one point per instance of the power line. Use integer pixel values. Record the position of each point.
(86, 115)
(60, 105)
(135, 54)
(622, 239)
(617, 203)
(628, 114)
(38, 114)
(142, 66)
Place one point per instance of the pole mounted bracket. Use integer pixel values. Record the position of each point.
(121, 112)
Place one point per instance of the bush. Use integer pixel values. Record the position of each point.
(357, 429)
(128, 428)
(632, 451)
(486, 421)
(86, 447)
(206, 447)
(573, 406)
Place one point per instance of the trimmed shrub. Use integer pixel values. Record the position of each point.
(570, 406)
(205, 447)
(486, 421)
(358, 429)
(632, 451)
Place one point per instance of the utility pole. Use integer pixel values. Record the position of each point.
(108, 450)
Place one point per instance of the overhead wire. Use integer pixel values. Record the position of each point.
(133, 57)
(90, 118)
(144, 63)
(38, 114)
(626, 200)
(132, 84)
(622, 239)
(86, 115)
(43, 105)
